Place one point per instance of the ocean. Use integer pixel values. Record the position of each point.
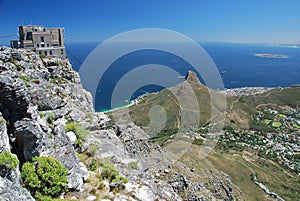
(237, 64)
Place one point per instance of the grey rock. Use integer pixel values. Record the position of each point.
(72, 137)
(13, 92)
(16, 55)
(10, 191)
(47, 98)
(179, 184)
(4, 142)
(32, 140)
(65, 153)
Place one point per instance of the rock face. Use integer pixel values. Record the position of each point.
(11, 191)
(36, 101)
(4, 142)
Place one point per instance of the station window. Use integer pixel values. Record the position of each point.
(50, 52)
(42, 39)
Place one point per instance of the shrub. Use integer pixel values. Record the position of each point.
(77, 129)
(92, 149)
(46, 176)
(79, 143)
(198, 142)
(18, 66)
(109, 172)
(276, 124)
(47, 198)
(24, 78)
(50, 118)
(120, 180)
(2, 121)
(94, 165)
(8, 162)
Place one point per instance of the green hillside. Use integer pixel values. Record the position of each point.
(245, 144)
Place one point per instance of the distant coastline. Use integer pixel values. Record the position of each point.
(240, 91)
(276, 56)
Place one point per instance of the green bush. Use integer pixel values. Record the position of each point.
(47, 198)
(92, 149)
(109, 172)
(25, 80)
(77, 129)
(18, 66)
(94, 165)
(79, 143)
(120, 180)
(50, 118)
(45, 176)
(8, 161)
(2, 121)
(198, 142)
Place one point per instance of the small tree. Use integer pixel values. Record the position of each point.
(44, 176)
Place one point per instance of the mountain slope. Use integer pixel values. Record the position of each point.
(250, 141)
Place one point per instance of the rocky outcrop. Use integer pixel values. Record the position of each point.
(4, 142)
(36, 101)
(13, 92)
(11, 191)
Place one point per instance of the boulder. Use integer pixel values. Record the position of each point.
(13, 92)
(11, 191)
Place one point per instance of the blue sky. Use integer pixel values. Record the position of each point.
(255, 21)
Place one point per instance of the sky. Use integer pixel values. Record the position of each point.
(245, 21)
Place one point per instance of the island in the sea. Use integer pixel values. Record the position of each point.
(277, 56)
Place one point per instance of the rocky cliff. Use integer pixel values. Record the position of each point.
(40, 97)
(37, 98)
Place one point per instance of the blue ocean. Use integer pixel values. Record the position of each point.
(237, 64)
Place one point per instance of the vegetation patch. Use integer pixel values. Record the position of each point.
(108, 172)
(25, 80)
(198, 142)
(92, 149)
(276, 124)
(267, 121)
(45, 176)
(50, 118)
(164, 136)
(18, 66)
(8, 162)
(80, 133)
(260, 126)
